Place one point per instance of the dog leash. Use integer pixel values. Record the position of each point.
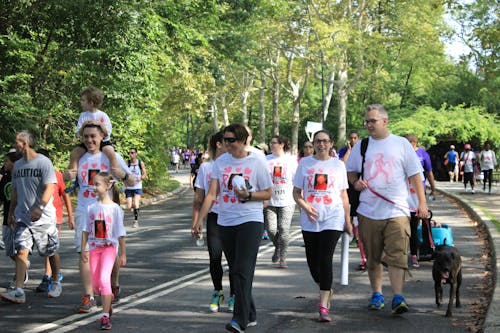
(427, 220)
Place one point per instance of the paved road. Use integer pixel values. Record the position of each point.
(166, 285)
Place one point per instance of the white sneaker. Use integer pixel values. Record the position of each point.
(2, 245)
(55, 290)
(15, 296)
(135, 224)
(252, 324)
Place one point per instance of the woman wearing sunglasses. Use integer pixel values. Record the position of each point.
(320, 186)
(240, 183)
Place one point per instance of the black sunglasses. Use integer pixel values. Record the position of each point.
(231, 140)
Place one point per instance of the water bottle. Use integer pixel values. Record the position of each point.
(199, 240)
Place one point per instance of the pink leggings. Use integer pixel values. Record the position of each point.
(102, 260)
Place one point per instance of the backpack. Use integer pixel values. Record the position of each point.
(138, 164)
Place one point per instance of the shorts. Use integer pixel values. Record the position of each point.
(131, 193)
(43, 235)
(8, 240)
(353, 200)
(79, 221)
(385, 241)
(450, 167)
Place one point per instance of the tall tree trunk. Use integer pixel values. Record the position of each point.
(225, 115)
(276, 95)
(329, 94)
(262, 114)
(214, 110)
(342, 105)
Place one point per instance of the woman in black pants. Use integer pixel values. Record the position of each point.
(320, 185)
(241, 182)
(214, 242)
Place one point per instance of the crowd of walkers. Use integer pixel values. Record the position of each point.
(374, 189)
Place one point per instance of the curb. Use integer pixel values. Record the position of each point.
(492, 320)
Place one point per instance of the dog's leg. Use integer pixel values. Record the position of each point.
(453, 290)
(459, 282)
(438, 290)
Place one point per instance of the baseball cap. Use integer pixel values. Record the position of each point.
(467, 146)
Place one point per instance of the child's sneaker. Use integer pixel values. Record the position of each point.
(55, 290)
(230, 304)
(44, 286)
(87, 305)
(15, 296)
(324, 314)
(265, 236)
(216, 300)
(399, 305)
(105, 323)
(376, 302)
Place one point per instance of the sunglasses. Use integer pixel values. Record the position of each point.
(230, 140)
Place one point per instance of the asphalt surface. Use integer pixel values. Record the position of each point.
(166, 284)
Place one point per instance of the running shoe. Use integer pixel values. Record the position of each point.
(230, 304)
(44, 286)
(15, 296)
(376, 302)
(105, 323)
(252, 323)
(414, 261)
(362, 265)
(87, 305)
(324, 314)
(2, 245)
(116, 294)
(265, 235)
(283, 264)
(216, 300)
(135, 224)
(55, 290)
(276, 256)
(399, 305)
(233, 326)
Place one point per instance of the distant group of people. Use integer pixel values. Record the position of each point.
(32, 192)
(471, 165)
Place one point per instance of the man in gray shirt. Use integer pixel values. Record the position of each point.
(32, 214)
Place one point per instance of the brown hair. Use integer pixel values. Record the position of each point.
(94, 95)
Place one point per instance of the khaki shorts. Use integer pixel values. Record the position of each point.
(385, 241)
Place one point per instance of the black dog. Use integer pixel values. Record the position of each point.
(447, 268)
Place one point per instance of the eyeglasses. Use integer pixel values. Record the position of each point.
(372, 121)
(274, 142)
(320, 141)
(230, 140)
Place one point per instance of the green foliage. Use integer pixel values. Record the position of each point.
(458, 123)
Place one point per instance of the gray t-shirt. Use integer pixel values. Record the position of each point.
(29, 179)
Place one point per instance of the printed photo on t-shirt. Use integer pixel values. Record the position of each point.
(321, 181)
(230, 183)
(278, 171)
(100, 229)
(92, 173)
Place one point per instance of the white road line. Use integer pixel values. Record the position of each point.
(77, 320)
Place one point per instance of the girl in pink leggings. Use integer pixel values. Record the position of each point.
(104, 232)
